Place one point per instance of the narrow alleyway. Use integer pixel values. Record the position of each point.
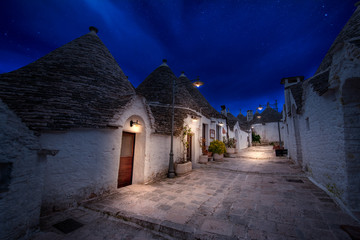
(253, 196)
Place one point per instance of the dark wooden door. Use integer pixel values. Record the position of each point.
(189, 150)
(126, 159)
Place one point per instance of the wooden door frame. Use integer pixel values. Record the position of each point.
(133, 156)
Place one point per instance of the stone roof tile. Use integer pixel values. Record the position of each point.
(297, 91)
(320, 82)
(79, 85)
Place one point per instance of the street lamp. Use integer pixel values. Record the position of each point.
(171, 171)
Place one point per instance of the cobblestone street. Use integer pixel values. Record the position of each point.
(253, 196)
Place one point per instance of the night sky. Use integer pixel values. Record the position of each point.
(240, 49)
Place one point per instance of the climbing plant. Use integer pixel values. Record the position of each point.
(183, 137)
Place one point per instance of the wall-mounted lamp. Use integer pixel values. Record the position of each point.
(221, 124)
(194, 119)
(134, 123)
(258, 117)
(260, 107)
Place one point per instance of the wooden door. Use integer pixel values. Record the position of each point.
(189, 150)
(126, 159)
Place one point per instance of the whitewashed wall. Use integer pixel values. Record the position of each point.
(329, 129)
(269, 132)
(241, 139)
(88, 160)
(20, 204)
(322, 140)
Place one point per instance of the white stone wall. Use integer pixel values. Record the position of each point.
(322, 140)
(269, 132)
(20, 204)
(88, 160)
(329, 129)
(87, 165)
(241, 139)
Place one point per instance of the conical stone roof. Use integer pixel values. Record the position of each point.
(79, 85)
(270, 115)
(232, 120)
(202, 105)
(157, 89)
(241, 117)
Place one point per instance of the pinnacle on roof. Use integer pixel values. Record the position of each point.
(93, 29)
(164, 63)
(77, 85)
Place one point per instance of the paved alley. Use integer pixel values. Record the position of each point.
(253, 196)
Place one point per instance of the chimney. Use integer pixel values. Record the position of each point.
(291, 81)
(249, 115)
(182, 74)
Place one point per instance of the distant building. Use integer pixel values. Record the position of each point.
(236, 130)
(267, 124)
(322, 119)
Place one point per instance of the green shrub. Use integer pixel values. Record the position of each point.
(217, 146)
(255, 137)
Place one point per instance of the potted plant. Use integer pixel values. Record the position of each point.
(218, 149)
(183, 166)
(230, 145)
(204, 157)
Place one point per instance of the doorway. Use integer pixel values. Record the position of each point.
(126, 159)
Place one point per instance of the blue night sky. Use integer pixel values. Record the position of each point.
(240, 49)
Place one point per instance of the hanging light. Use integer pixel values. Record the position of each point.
(134, 123)
(198, 83)
(194, 119)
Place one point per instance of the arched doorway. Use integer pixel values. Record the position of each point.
(132, 152)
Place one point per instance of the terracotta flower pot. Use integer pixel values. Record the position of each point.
(203, 159)
(218, 157)
(230, 150)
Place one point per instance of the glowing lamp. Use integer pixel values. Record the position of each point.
(134, 123)
(198, 83)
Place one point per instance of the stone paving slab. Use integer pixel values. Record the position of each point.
(237, 198)
(96, 226)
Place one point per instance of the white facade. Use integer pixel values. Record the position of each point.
(243, 138)
(269, 132)
(87, 164)
(21, 177)
(324, 137)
